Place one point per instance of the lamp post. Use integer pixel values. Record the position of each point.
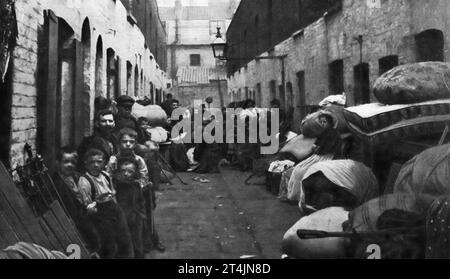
(220, 47)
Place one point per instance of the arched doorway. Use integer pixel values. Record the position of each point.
(99, 68)
(86, 52)
(136, 81)
(112, 74)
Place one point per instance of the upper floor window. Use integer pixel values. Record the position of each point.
(195, 59)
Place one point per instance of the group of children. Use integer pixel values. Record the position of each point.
(111, 199)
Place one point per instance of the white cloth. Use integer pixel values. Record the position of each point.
(334, 100)
(348, 174)
(280, 166)
(157, 134)
(295, 186)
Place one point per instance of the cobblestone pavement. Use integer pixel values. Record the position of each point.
(223, 219)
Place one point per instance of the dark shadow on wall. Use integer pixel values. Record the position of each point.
(5, 116)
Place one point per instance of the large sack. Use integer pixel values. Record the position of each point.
(351, 176)
(414, 83)
(365, 217)
(294, 187)
(427, 173)
(300, 147)
(153, 113)
(330, 220)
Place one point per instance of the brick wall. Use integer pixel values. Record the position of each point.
(387, 30)
(108, 19)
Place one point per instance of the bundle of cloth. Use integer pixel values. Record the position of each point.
(154, 114)
(290, 185)
(345, 183)
(396, 223)
(330, 220)
(426, 173)
(400, 225)
(414, 83)
(30, 251)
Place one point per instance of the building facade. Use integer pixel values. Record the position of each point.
(67, 53)
(259, 25)
(191, 28)
(146, 15)
(346, 50)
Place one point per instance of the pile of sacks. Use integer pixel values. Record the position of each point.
(344, 214)
(411, 222)
(311, 146)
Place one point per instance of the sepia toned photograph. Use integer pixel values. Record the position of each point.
(225, 130)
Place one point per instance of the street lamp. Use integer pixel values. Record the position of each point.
(219, 46)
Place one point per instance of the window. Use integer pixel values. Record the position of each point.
(362, 84)
(258, 95)
(273, 90)
(336, 77)
(290, 94)
(301, 101)
(195, 59)
(430, 46)
(387, 63)
(282, 91)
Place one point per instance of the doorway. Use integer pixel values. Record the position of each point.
(430, 46)
(362, 84)
(301, 100)
(336, 77)
(387, 63)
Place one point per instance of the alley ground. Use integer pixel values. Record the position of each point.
(223, 219)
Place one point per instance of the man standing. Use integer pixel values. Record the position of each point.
(167, 105)
(124, 118)
(102, 139)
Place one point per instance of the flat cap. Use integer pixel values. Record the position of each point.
(125, 100)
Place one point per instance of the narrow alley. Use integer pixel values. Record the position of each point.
(223, 219)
